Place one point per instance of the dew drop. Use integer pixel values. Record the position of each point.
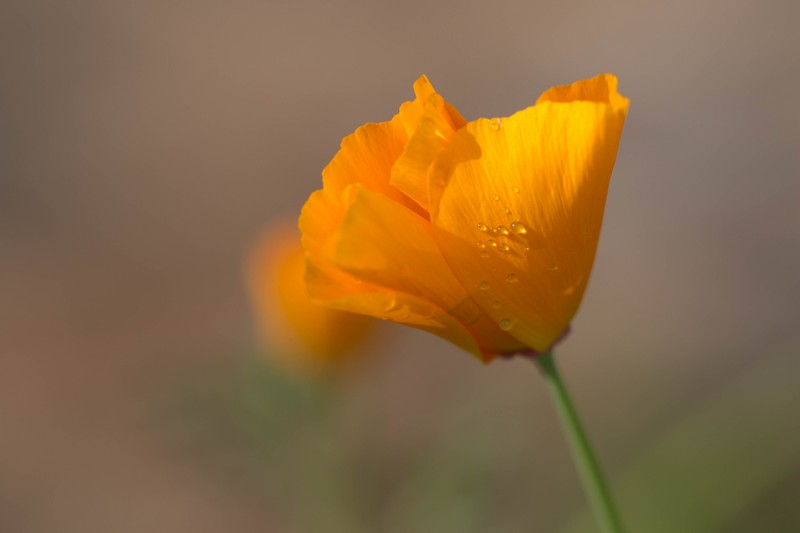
(496, 197)
(484, 286)
(481, 244)
(502, 230)
(503, 246)
(506, 324)
(552, 266)
(481, 226)
(496, 124)
(492, 243)
(507, 211)
(512, 278)
(515, 189)
(484, 253)
(496, 304)
(518, 228)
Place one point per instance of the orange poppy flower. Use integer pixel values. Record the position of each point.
(305, 336)
(483, 233)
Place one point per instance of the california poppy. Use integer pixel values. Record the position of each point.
(481, 232)
(303, 335)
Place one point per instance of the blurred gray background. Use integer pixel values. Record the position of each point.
(144, 145)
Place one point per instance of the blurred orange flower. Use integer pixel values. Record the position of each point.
(483, 233)
(305, 336)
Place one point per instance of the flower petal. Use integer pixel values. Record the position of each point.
(430, 123)
(367, 156)
(386, 245)
(310, 336)
(411, 112)
(395, 306)
(382, 242)
(329, 285)
(520, 201)
(601, 89)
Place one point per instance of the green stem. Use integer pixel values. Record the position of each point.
(585, 460)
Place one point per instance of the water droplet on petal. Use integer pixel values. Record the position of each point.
(492, 243)
(512, 278)
(496, 197)
(481, 244)
(481, 226)
(503, 246)
(506, 324)
(496, 124)
(484, 286)
(552, 266)
(518, 228)
(502, 230)
(515, 189)
(484, 253)
(507, 211)
(496, 304)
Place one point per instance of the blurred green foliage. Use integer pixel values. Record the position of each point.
(724, 464)
(713, 467)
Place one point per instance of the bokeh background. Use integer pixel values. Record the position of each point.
(144, 146)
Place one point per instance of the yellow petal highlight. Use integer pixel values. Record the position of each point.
(601, 89)
(533, 194)
(303, 335)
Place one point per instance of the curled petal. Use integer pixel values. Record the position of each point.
(430, 123)
(366, 157)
